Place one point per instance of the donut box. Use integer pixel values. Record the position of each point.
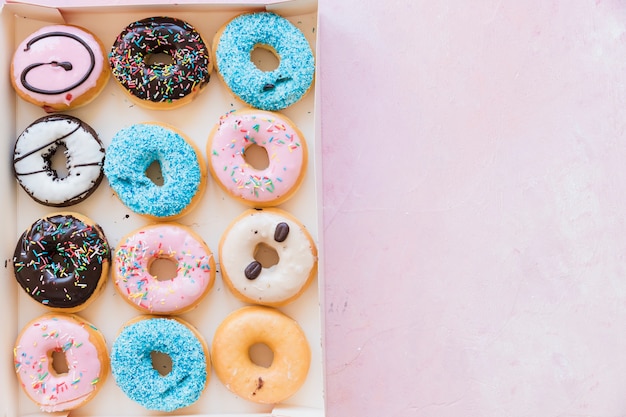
(112, 111)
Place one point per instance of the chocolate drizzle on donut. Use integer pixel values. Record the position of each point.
(160, 82)
(67, 66)
(41, 158)
(58, 261)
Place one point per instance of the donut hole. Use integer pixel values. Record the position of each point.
(158, 59)
(163, 268)
(264, 57)
(261, 354)
(161, 362)
(58, 362)
(265, 255)
(256, 156)
(155, 174)
(62, 262)
(58, 162)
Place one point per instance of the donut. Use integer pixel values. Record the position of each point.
(267, 90)
(250, 277)
(62, 261)
(59, 67)
(195, 268)
(271, 181)
(134, 149)
(52, 383)
(35, 148)
(253, 325)
(160, 85)
(133, 367)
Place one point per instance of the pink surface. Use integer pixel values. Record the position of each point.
(474, 207)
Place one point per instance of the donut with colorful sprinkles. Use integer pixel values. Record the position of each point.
(132, 267)
(133, 362)
(62, 261)
(134, 149)
(274, 174)
(162, 62)
(67, 384)
(267, 90)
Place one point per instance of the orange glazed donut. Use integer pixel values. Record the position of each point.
(86, 357)
(253, 325)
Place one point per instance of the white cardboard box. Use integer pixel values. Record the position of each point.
(107, 114)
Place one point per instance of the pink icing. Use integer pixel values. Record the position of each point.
(55, 77)
(57, 392)
(285, 149)
(195, 269)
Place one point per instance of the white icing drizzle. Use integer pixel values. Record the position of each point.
(280, 282)
(84, 155)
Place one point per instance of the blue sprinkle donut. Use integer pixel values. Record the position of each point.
(134, 149)
(266, 90)
(134, 372)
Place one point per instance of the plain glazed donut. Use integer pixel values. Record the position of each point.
(134, 149)
(62, 261)
(261, 325)
(133, 368)
(160, 85)
(138, 250)
(86, 356)
(33, 154)
(267, 90)
(285, 146)
(247, 277)
(59, 67)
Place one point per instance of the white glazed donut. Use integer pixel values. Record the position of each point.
(246, 276)
(35, 148)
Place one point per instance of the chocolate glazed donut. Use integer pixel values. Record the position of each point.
(160, 82)
(62, 260)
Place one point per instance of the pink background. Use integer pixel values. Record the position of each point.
(474, 207)
(474, 203)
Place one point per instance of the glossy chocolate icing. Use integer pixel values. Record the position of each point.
(160, 82)
(59, 260)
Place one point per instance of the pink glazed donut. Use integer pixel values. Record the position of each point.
(195, 269)
(86, 358)
(275, 135)
(59, 67)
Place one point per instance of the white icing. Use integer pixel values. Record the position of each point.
(279, 282)
(84, 156)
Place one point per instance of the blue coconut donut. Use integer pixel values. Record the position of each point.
(133, 370)
(266, 90)
(134, 149)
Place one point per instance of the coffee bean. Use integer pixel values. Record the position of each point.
(281, 232)
(253, 270)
